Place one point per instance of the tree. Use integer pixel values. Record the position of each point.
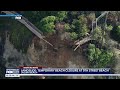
(47, 24)
(73, 14)
(20, 36)
(76, 24)
(36, 16)
(99, 58)
(115, 33)
(61, 15)
(73, 35)
(91, 17)
(108, 27)
(118, 30)
(48, 19)
(67, 27)
(49, 27)
(84, 30)
(91, 52)
(82, 19)
(104, 59)
(99, 35)
(80, 26)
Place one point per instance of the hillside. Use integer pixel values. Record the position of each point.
(77, 39)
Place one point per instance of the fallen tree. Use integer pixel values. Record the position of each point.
(83, 41)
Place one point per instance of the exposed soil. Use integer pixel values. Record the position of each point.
(58, 56)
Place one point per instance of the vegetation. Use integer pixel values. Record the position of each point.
(115, 33)
(109, 27)
(61, 15)
(77, 23)
(97, 34)
(80, 26)
(36, 16)
(41, 20)
(67, 27)
(47, 24)
(99, 58)
(20, 36)
(73, 35)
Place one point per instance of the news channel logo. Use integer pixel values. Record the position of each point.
(12, 71)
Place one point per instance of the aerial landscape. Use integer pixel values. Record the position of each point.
(61, 39)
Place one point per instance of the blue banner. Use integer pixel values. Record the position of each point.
(59, 71)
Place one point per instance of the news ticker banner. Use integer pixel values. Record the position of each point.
(38, 71)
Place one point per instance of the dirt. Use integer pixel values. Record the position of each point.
(62, 55)
(44, 55)
(39, 53)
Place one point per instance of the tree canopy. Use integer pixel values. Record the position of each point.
(61, 15)
(80, 26)
(115, 33)
(99, 58)
(47, 24)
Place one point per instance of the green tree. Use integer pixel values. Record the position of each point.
(82, 19)
(47, 24)
(36, 16)
(67, 27)
(48, 19)
(91, 52)
(80, 26)
(99, 58)
(73, 14)
(104, 59)
(76, 24)
(99, 35)
(73, 35)
(109, 27)
(49, 27)
(20, 36)
(91, 16)
(115, 33)
(61, 15)
(118, 31)
(84, 30)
